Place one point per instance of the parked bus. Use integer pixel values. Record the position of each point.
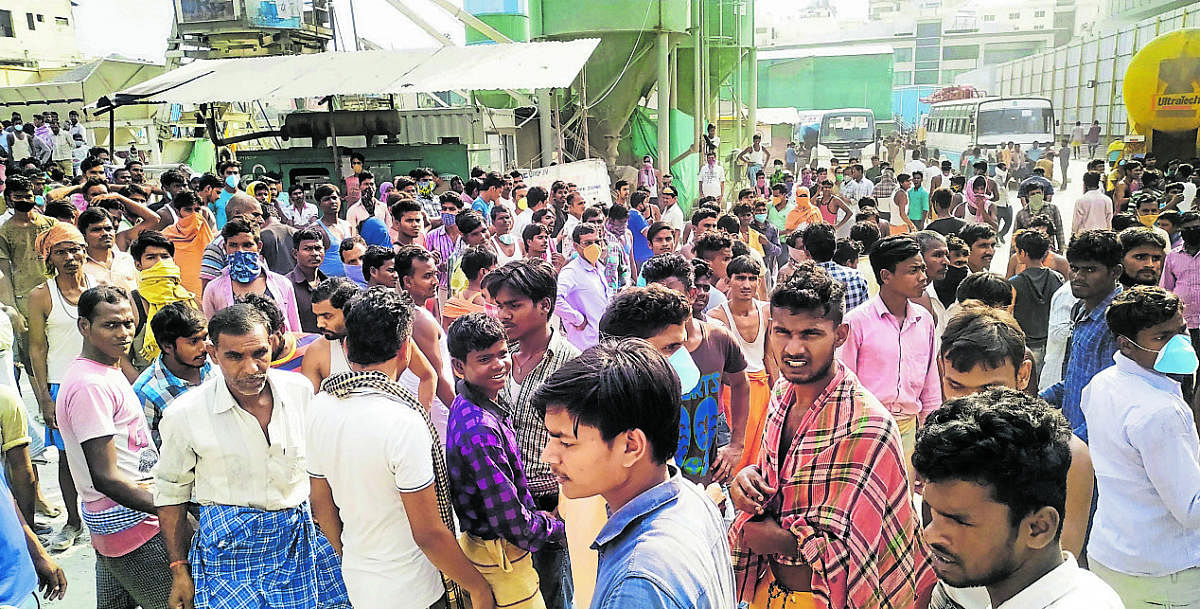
(952, 127)
(839, 133)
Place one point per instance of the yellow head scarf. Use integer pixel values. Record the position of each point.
(160, 285)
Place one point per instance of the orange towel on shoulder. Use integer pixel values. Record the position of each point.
(190, 236)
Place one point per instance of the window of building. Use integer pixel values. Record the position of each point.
(925, 77)
(1014, 15)
(927, 53)
(1039, 27)
(949, 75)
(989, 18)
(966, 51)
(929, 30)
(6, 24)
(29, 20)
(62, 21)
(41, 18)
(903, 55)
(1039, 13)
(901, 77)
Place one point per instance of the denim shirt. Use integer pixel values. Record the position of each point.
(665, 548)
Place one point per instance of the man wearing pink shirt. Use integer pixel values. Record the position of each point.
(891, 343)
(111, 455)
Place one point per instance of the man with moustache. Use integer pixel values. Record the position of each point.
(1143, 252)
(327, 355)
(252, 493)
(996, 526)
(827, 506)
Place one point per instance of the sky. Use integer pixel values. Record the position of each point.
(138, 29)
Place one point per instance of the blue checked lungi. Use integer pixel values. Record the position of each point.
(244, 558)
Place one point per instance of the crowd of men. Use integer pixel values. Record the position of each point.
(825, 393)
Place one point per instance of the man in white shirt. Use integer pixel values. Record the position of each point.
(1145, 539)
(712, 178)
(379, 483)
(672, 214)
(235, 446)
(999, 527)
(915, 164)
(62, 149)
(856, 185)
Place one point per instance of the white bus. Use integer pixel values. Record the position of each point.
(952, 127)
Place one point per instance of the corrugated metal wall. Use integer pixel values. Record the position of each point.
(1085, 78)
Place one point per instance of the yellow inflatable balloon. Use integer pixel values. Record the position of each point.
(1162, 83)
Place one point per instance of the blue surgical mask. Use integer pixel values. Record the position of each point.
(232, 180)
(506, 239)
(760, 217)
(244, 267)
(40, 201)
(686, 368)
(448, 219)
(1176, 357)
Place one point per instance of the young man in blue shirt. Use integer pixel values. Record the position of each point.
(613, 417)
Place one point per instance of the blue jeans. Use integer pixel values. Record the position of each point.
(752, 172)
(553, 566)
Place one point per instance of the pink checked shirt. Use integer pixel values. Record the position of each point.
(1181, 275)
(894, 360)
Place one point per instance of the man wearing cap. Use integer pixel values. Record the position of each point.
(671, 212)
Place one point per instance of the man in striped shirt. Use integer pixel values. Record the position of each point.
(828, 509)
(524, 293)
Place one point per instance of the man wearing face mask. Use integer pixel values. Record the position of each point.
(231, 173)
(19, 262)
(368, 204)
(701, 454)
(583, 293)
(247, 273)
(1147, 522)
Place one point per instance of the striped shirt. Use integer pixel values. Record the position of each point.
(294, 358)
(527, 423)
(843, 494)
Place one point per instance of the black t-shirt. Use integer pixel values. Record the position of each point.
(946, 226)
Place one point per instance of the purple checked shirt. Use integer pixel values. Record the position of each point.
(487, 480)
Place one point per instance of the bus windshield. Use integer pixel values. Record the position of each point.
(1016, 120)
(847, 128)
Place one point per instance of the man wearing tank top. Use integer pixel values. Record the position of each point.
(755, 156)
(54, 342)
(746, 317)
(327, 355)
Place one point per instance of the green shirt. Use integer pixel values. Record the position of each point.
(918, 203)
(28, 268)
